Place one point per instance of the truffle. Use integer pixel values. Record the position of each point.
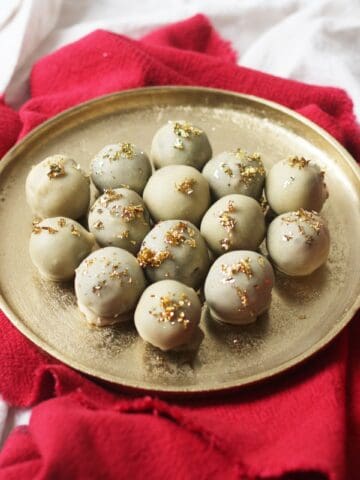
(174, 249)
(119, 218)
(295, 183)
(120, 165)
(298, 242)
(235, 172)
(108, 284)
(168, 314)
(234, 222)
(177, 192)
(238, 287)
(58, 187)
(57, 247)
(181, 143)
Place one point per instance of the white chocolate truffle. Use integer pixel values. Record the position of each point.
(57, 247)
(168, 314)
(174, 249)
(295, 183)
(235, 172)
(180, 143)
(121, 165)
(238, 287)
(119, 218)
(298, 242)
(108, 284)
(177, 192)
(234, 222)
(58, 187)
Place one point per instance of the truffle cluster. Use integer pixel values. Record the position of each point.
(148, 242)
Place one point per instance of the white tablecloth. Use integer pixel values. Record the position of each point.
(316, 41)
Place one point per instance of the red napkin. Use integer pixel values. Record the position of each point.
(305, 424)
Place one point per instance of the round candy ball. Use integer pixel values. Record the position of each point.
(108, 284)
(168, 314)
(177, 192)
(235, 172)
(57, 247)
(181, 143)
(295, 183)
(121, 165)
(238, 287)
(234, 222)
(174, 249)
(119, 218)
(58, 187)
(298, 242)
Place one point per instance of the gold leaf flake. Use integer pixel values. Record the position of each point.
(186, 186)
(299, 162)
(150, 258)
(56, 170)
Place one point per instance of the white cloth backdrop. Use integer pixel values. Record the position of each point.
(316, 41)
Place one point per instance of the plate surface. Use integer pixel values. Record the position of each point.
(305, 314)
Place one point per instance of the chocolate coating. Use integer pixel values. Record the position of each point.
(180, 143)
(177, 192)
(57, 247)
(295, 183)
(234, 222)
(168, 314)
(119, 218)
(121, 165)
(108, 284)
(238, 287)
(58, 187)
(235, 172)
(174, 249)
(298, 242)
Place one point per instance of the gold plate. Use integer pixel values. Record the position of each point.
(305, 314)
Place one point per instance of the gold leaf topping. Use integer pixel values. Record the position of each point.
(226, 220)
(225, 244)
(150, 258)
(98, 225)
(249, 174)
(186, 186)
(261, 261)
(121, 275)
(123, 235)
(56, 169)
(287, 237)
(185, 130)
(74, 231)
(131, 212)
(299, 162)
(125, 150)
(227, 169)
(61, 222)
(310, 218)
(180, 234)
(172, 311)
(98, 287)
(242, 294)
(179, 144)
(37, 229)
(109, 196)
(243, 266)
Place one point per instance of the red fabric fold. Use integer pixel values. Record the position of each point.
(305, 424)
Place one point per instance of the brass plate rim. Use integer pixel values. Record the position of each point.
(183, 390)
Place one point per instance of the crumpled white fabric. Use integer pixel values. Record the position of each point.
(316, 41)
